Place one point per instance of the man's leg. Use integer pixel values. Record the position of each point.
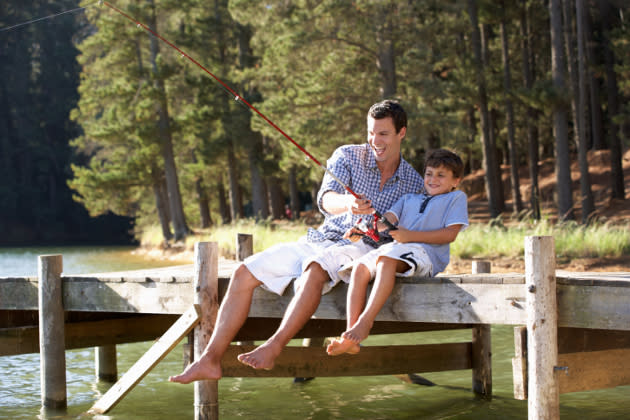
(232, 315)
(301, 308)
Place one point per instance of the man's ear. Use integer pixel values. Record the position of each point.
(402, 133)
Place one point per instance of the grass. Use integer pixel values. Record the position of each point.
(571, 240)
(478, 241)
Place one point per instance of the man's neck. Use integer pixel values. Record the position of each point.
(387, 169)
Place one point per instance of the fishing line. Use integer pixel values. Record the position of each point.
(47, 17)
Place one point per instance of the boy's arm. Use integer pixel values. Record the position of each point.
(444, 235)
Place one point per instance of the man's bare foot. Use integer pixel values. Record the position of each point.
(337, 347)
(201, 369)
(262, 357)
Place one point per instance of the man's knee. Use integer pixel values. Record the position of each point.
(243, 278)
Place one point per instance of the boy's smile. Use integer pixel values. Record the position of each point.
(439, 180)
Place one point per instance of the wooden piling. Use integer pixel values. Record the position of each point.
(205, 283)
(105, 363)
(51, 332)
(482, 347)
(542, 328)
(244, 246)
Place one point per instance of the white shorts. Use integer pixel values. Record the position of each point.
(276, 266)
(411, 253)
(332, 259)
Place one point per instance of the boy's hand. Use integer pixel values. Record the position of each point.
(401, 235)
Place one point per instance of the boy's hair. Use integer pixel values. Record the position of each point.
(389, 108)
(442, 157)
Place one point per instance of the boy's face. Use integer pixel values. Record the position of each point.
(439, 180)
(382, 137)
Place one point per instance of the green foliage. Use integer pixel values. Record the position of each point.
(571, 240)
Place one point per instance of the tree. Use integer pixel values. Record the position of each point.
(560, 125)
(492, 179)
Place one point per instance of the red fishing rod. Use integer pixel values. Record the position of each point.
(372, 233)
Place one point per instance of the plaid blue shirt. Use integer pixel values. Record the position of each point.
(356, 167)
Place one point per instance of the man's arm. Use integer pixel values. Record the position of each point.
(444, 235)
(335, 203)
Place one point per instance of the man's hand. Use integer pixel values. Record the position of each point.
(360, 205)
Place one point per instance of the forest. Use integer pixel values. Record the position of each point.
(106, 129)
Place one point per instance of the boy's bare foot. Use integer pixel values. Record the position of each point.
(358, 332)
(262, 357)
(201, 369)
(337, 347)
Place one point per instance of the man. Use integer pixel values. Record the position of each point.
(377, 171)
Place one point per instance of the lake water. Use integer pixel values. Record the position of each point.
(372, 397)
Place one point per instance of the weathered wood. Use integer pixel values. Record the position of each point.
(52, 352)
(573, 340)
(105, 363)
(148, 361)
(206, 295)
(23, 340)
(244, 246)
(542, 328)
(519, 363)
(482, 347)
(442, 302)
(263, 328)
(372, 360)
(586, 371)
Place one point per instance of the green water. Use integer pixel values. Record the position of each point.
(372, 397)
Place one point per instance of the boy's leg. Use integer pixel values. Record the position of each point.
(300, 309)
(386, 270)
(232, 315)
(355, 303)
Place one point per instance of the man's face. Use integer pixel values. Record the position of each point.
(439, 180)
(382, 137)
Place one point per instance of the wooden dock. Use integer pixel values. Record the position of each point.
(572, 330)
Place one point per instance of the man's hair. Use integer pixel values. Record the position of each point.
(389, 108)
(442, 157)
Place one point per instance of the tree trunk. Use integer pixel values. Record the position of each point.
(204, 205)
(294, 197)
(492, 179)
(612, 91)
(166, 141)
(223, 205)
(236, 211)
(532, 130)
(276, 198)
(386, 63)
(509, 112)
(560, 125)
(161, 203)
(597, 121)
(588, 205)
(259, 189)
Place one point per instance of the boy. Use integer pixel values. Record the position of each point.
(427, 224)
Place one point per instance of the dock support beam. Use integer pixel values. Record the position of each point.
(52, 347)
(482, 348)
(206, 292)
(542, 328)
(105, 363)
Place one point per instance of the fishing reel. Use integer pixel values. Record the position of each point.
(362, 230)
